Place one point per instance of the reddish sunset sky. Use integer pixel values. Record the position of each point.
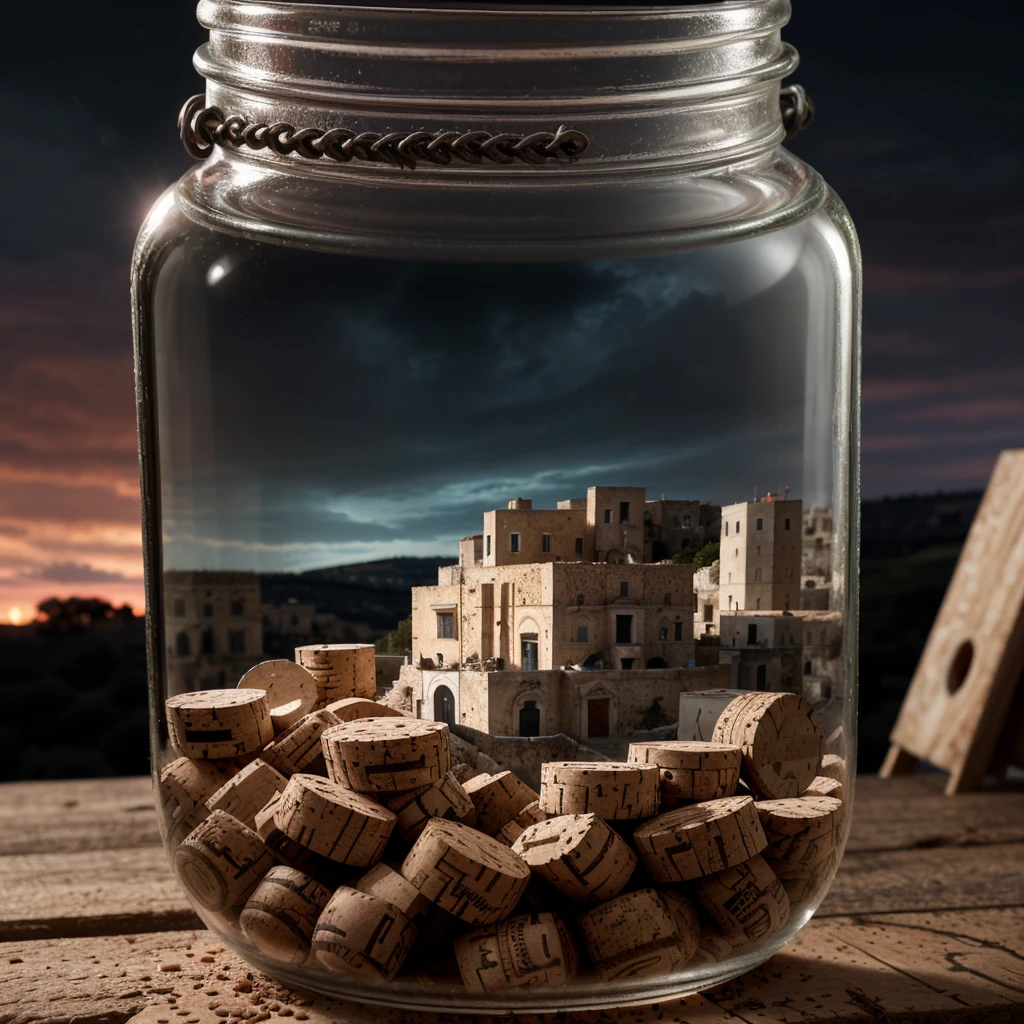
(913, 139)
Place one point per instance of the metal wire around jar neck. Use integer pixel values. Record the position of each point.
(203, 127)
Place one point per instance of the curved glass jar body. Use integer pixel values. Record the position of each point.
(573, 445)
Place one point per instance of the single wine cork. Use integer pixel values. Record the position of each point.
(464, 772)
(498, 799)
(812, 882)
(690, 769)
(362, 935)
(387, 755)
(340, 670)
(579, 855)
(214, 724)
(512, 830)
(529, 949)
(348, 709)
(824, 786)
(833, 767)
(282, 912)
(294, 854)
(781, 739)
(184, 787)
(641, 934)
(248, 792)
(298, 749)
(801, 831)
(613, 790)
(747, 902)
(291, 690)
(700, 839)
(713, 949)
(465, 872)
(221, 862)
(444, 799)
(387, 884)
(335, 822)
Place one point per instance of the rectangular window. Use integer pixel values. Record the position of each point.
(236, 641)
(760, 525)
(786, 525)
(679, 631)
(487, 544)
(663, 633)
(582, 634)
(238, 607)
(623, 629)
(762, 677)
(530, 654)
(207, 610)
(727, 529)
(737, 527)
(752, 633)
(623, 511)
(513, 543)
(686, 522)
(545, 542)
(709, 613)
(623, 589)
(607, 515)
(579, 545)
(179, 607)
(446, 625)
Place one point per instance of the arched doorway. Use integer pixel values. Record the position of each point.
(444, 705)
(529, 719)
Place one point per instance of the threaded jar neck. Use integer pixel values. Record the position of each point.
(676, 87)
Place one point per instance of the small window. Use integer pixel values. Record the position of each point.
(513, 543)
(623, 629)
(752, 633)
(579, 545)
(236, 641)
(181, 646)
(206, 642)
(623, 589)
(737, 528)
(727, 529)
(686, 522)
(709, 613)
(757, 575)
(785, 525)
(663, 633)
(445, 625)
(208, 610)
(179, 607)
(582, 634)
(627, 663)
(760, 525)
(238, 607)
(623, 511)
(607, 515)
(762, 677)
(545, 542)
(487, 544)
(295, 620)
(757, 604)
(807, 668)
(679, 632)
(730, 602)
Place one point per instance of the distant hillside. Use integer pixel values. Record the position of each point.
(901, 526)
(377, 593)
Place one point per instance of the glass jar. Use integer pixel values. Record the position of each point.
(518, 347)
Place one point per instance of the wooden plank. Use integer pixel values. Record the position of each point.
(69, 816)
(943, 878)
(911, 811)
(965, 683)
(941, 968)
(98, 892)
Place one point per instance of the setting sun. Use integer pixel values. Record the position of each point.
(15, 616)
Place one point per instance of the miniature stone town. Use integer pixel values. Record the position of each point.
(313, 825)
(577, 620)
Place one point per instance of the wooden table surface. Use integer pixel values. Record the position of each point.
(925, 922)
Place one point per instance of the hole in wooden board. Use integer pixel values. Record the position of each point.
(960, 667)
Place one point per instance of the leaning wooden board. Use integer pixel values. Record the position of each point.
(924, 922)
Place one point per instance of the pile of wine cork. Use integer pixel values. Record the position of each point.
(317, 827)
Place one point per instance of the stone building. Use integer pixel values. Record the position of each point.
(549, 615)
(213, 627)
(706, 617)
(816, 559)
(760, 556)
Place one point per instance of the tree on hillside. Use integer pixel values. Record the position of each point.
(398, 641)
(698, 559)
(77, 613)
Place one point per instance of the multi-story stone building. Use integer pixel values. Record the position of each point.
(760, 556)
(816, 559)
(213, 627)
(706, 592)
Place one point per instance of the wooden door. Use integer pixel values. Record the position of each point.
(597, 716)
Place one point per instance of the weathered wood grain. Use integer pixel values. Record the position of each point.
(942, 968)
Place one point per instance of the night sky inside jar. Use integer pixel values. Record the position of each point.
(364, 409)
